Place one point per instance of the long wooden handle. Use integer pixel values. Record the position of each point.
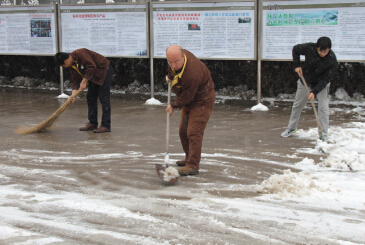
(312, 102)
(68, 102)
(168, 119)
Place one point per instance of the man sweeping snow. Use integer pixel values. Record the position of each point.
(86, 65)
(318, 71)
(194, 87)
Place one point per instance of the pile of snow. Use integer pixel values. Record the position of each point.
(358, 109)
(167, 158)
(306, 162)
(339, 97)
(341, 158)
(286, 96)
(347, 137)
(291, 184)
(169, 174)
(62, 96)
(259, 107)
(347, 153)
(153, 101)
(341, 94)
(311, 133)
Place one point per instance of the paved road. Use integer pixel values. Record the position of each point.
(70, 187)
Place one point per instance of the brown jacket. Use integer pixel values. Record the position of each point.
(92, 66)
(196, 84)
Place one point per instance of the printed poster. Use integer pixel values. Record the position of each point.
(27, 30)
(208, 30)
(287, 23)
(111, 30)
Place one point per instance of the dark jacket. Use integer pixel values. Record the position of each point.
(317, 71)
(92, 66)
(196, 84)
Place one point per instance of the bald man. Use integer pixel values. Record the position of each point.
(194, 88)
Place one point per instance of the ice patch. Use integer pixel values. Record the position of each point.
(62, 96)
(259, 107)
(153, 101)
(279, 155)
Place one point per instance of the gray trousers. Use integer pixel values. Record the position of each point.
(301, 99)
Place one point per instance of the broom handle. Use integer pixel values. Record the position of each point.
(312, 102)
(168, 119)
(68, 102)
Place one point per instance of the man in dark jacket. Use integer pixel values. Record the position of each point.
(194, 88)
(320, 65)
(92, 70)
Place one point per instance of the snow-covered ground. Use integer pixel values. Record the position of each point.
(63, 197)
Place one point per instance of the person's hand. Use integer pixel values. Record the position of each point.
(299, 71)
(83, 84)
(168, 80)
(74, 99)
(170, 109)
(310, 96)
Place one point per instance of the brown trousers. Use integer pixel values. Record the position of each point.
(194, 119)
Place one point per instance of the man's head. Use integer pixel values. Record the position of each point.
(63, 59)
(323, 46)
(175, 57)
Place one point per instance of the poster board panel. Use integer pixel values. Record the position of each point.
(287, 23)
(116, 30)
(219, 30)
(28, 30)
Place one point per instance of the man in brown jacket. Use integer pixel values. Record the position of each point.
(194, 87)
(86, 65)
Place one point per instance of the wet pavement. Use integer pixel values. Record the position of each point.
(110, 179)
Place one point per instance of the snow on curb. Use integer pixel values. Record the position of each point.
(259, 107)
(153, 101)
(62, 96)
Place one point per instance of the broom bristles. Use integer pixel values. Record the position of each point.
(49, 121)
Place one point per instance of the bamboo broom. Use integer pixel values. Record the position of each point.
(49, 121)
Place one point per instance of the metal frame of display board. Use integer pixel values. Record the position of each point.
(39, 9)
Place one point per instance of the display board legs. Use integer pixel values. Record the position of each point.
(152, 78)
(61, 80)
(258, 81)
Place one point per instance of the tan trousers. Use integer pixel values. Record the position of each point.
(194, 119)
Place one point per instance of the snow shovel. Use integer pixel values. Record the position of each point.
(313, 106)
(166, 173)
